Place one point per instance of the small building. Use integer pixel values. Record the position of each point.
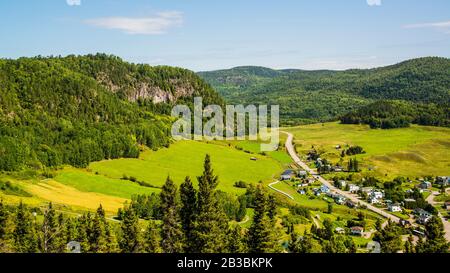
(287, 175)
(337, 147)
(340, 199)
(342, 183)
(337, 169)
(303, 174)
(420, 212)
(425, 185)
(394, 207)
(324, 189)
(351, 204)
(377, 194)
(367, 190)
(447, 205)
(340, 230)
(443, 180)
(405, 223)
(353, 188)
(372, 200)
(302, 192)
(253, 159)
(311, 180)
(357, 231)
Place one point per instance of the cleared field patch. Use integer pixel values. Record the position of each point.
(185, 158)
(414, 151)
(60, 194)
(88, 182)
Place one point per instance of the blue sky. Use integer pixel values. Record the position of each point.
(216, 34)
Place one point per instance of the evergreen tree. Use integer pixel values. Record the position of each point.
(171, 233)
(436, 242)
(209, 234)
(188, 209)
(236, 242)
(130, 239)
(271, 207)
(152, 239)
(260, 239)
(24, 234)
(51, 237)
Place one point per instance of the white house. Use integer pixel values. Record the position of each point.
(376, 194)
(353, 188)
(394, 207)
(373, 200)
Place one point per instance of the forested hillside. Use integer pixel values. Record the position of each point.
(79, 109)
(312, 96)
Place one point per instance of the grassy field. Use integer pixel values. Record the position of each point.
(411, 152)
(185, 158)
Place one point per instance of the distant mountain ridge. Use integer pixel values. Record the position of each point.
(312, 96)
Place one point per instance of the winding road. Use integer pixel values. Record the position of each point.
(430, 199)
(352, 197)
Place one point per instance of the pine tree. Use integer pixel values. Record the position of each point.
(97, 238)
(209, 234)
(130, 240)
(50, 239)
(171, 233)
(260, 233)
(24, 234)
(188, 210)
(3, 220)
(236, 242)
(271, 207)
(152, 239)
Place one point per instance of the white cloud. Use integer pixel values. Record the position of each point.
(157, 24)
(374, 2)
(441, 26)
(73, 2)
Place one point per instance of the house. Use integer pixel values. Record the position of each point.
(424, 219)
(302, 192)
(338, 147)
(425, 185)
(340, 230)
(253, 159)
(447, 205)
(303, 174)
(337, 169)
(351, 204)
(311, 180)
(422, 216)
(376, 194)
(394, 207)
(443, 180)
(353, 188)
(420, 212)
(373, 200)
(324, 189)
(340, 199)
(287, 175)
(405, 223)
(357, 231)
(367, 190)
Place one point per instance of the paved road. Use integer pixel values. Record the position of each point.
(352, 197)
(430, 199)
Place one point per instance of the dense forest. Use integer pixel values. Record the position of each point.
(317, 96)
(185, 219)
(79, 109)
(398, 114)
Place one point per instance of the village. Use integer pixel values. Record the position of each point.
(412, 209)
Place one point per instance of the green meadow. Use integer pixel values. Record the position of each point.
(185, 158)
(411, 152)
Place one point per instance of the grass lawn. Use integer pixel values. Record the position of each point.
(411, 152)
(185, 158)
(302, 200)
